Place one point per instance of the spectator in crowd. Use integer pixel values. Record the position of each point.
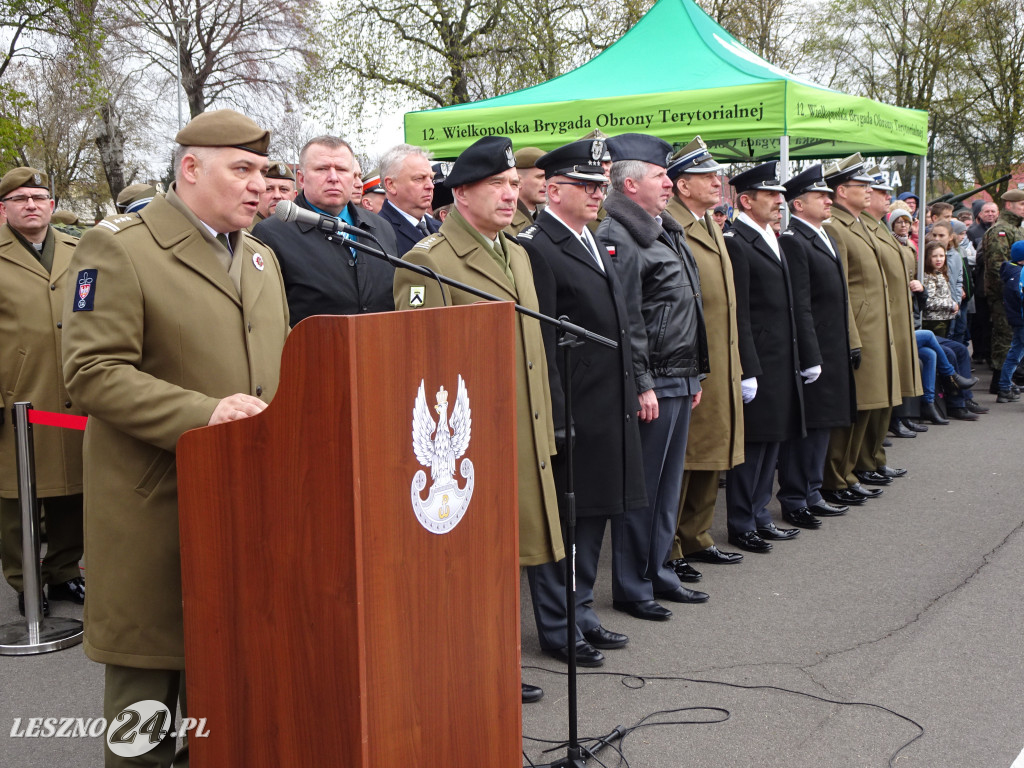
(323, 274)
(996, 246)
(985, 216)
(1013, 303)
(940, 306)
(408, 180)
(911, 201)
(940, 212)
(720, 214)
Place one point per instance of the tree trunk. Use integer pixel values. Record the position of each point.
(110, 143)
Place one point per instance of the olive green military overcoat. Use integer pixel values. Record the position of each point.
(165, 337)
(31, 305)
(455, 253)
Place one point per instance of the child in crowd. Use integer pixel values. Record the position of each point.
(1013, 303)
(941, 307)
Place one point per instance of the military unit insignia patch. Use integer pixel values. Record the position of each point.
(86, 293)
(416, 296)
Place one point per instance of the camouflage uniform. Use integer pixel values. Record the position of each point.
(996, 247)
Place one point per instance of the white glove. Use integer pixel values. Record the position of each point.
(749, 389)
(811, 374)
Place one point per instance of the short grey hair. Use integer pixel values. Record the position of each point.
(627, 169)
(331, 142)
(391, 162)
(180, 150)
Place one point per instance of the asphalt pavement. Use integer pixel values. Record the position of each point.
(892, 635)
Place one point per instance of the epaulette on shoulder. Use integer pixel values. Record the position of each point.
(730, 233)
(120, 222)
(788, 232)
(529, 232)
(429, 242)
(255, 240)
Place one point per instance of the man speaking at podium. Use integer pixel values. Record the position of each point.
(176, 319)
(470, 247)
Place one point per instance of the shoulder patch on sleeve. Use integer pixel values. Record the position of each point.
(85, 293)
(429, 242)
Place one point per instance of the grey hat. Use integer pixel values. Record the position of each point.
(957, 226)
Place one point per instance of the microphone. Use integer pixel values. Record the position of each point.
(288, 211)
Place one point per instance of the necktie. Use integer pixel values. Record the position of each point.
(422, 227)
(223, 240)
(586, 242)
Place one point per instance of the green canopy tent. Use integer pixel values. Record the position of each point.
(677, 74)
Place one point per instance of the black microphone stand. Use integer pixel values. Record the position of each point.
(571, 335)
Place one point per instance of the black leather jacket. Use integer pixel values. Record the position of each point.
(662, 290)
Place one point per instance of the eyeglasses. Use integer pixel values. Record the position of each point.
(590, 187)
(22, 199)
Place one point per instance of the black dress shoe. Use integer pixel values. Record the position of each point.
(715, 556)
(685, 571)
(886, 442)
(532, 693)
(605, 639)
(914, 426)
(893, 472)
(750, 541)
(648, 610)
(930, 412)
(770, 531)
(975, 407)
(683, 595)
(21, 604)
(961, 414)
(963, 382)
(867, 493)
(72, 590)
(845, 497)
(898, 429)
(824, 509)
(873, 478)
(586, 654)
(801, 518)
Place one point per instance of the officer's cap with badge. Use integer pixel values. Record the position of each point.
(878, 179)
(597, 133)
(640, 146)
(372, 184)
(135, 197)
(442, 194)
(846, 170)
(695, 157)
(482, 159)
(808, 180)
(764, 176)
(24, 176)
(279, 170)
(224, 128)
(527, 157)
(579, 160)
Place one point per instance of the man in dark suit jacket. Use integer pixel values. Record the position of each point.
(818, 280)
(775, 412)
(575, 277)
(408, 181)
(323, 275)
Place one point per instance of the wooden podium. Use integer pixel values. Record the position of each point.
(324, 624)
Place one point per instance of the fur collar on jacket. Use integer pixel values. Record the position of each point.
(639, 223)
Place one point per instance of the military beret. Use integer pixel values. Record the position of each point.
(1013, 196)
(442, 194)
(577, 160)
(483, 158)
(527, 157)
(224, 128)
(279, 170)
(22, 177)
(764, 176)
(135, 197)
(848, 169)
(1017, 252)
(640, 146)
(693, 158)
(809, 180)
(878, 179)
(64, 217)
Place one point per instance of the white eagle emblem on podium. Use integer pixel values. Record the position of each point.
(436, 446)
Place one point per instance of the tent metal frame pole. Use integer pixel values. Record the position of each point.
(920, 215)
(784, 173)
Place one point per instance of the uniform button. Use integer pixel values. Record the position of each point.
(60, 325)
(543, 465)
(529, 365)
(67, 403)
(536, 415)
(627, 417)
(259, 391)
(250, 327)
(53, 286)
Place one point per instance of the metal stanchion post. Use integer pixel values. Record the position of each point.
(37, 634)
